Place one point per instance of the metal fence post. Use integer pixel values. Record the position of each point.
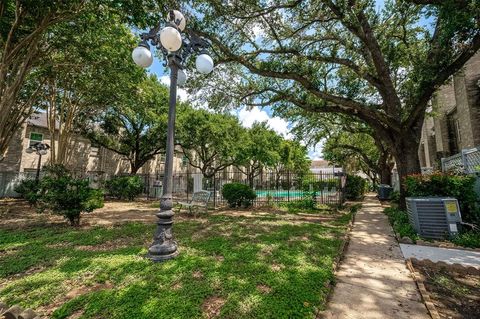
(442, 161)
(464, 161)
(289, 185)
(214, 190)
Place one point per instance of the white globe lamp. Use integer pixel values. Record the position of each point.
(142, 56)
(178, 19)
(181, 77)
(170, 39)
(204, 63)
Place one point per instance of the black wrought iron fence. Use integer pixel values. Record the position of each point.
(270, 187)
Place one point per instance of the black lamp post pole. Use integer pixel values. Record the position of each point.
(37, 176)
(164, 246)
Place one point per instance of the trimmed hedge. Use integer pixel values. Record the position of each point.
(124, 187)
(440, 184)
(355, 187)
(238, 195)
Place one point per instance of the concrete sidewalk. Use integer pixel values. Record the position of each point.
(467, 258)
(373, 281)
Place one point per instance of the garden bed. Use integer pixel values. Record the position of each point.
(229, 266)
(405, 233)
(454, 292)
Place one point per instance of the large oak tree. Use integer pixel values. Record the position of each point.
(380, 65)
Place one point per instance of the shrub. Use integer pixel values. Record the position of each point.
(468, 239)
(439, 184)
(68, 196)
(238, 195)
(311, 183)
(306, 203)
(29, 190)
(124, 187)
(395, 196)
(355, 187)
(399, 221)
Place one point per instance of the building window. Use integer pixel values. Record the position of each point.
(453, 128)
(35, 138)
(94, 149)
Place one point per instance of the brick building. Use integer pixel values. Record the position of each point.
(453, 120)
(83, 156)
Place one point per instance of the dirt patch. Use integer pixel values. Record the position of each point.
(177, 286)
(219, 258)
(455, 294)
(18, 214)
(212, 306)
(77, 314)
(73, 293)
(264, 289)
(276, 267)
(197, 274)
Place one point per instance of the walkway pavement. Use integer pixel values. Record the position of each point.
(448, 255)
(373, 281)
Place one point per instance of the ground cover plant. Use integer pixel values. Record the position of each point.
(261, 266)
(399, 220)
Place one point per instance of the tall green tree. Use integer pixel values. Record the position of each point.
(293, 158)
(85, 74)
(134, 127)
(346, 142)
(26, 34)
(344, 56)
(210, 141)
(258, 150)
(360, 152)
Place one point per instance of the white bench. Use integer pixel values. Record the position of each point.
(199, 199)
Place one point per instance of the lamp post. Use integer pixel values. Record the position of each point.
(40, 149)
(175, 49)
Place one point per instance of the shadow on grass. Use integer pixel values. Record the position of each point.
(228, 257)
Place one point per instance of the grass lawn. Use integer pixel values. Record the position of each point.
(229, 266)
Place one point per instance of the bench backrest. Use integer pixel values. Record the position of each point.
(201, 197)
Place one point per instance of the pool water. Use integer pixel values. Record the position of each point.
(283, 193)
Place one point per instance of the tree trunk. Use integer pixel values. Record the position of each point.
(385, 172)
(134, 167)
(406, 157)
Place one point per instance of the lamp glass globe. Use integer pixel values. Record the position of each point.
(142, 56)
(181, 77)
(170, 39)
(204, 63)
(179, 19)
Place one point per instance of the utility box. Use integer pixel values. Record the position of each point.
(434, 217)
(384, 191)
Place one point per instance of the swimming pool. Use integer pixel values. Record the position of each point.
(292, 193)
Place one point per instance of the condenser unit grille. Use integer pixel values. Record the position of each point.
(429, 217)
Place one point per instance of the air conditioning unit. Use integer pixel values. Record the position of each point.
(434, 217)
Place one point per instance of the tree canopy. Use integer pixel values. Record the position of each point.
(379, 65)
(135, 126)
(210, 141)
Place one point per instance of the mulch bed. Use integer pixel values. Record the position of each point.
(455, 292)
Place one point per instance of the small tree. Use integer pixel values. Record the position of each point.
(258, 150)
(211, 142)
(136, 125)
(67, 196)
(293, 158)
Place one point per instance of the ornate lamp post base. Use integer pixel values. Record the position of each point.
(163, 247)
